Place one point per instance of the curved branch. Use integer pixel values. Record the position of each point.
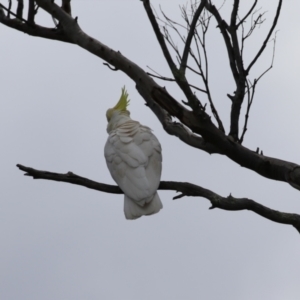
(186, 189)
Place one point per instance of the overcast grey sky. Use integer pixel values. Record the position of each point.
(61, 241)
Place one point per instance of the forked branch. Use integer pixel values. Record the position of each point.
(235, 55)
(178, 75)
(251, 92)
(197, 16)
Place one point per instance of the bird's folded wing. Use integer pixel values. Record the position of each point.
(134, 160)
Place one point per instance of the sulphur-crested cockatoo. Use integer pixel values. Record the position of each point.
(133, 157)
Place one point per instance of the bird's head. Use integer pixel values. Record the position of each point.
(120, 107)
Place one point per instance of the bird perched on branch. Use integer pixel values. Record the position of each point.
(133, 157)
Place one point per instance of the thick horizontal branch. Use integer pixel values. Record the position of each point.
(186, 189)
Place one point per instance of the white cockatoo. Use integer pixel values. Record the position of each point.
(133, 157)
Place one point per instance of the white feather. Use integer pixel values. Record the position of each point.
(134, 159)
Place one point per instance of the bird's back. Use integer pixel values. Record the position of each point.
(133, 156)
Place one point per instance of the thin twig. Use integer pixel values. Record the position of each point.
(161, 77)
(248, 14)
(172, 79)
(250, 101)
(254, 23)
(193, 70)
(110, 67)
(9, 8)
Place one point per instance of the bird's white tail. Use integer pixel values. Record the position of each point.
(133, 211)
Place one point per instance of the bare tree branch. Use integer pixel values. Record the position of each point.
(281, 170)
(20, 8)
(160, 37)
(204, 74)
(186, 189)
(234, 13)
(9, 12)
(267, 38)
(224, 27)
(251, 92)
(178, 75)
(190, 36)
(229, 34)
(9, 8)
(66, 6)
(31, 12)
(235, 54)
(171, 79)
(175, 128)
(248, 14)
(238, 97)
(250, 96)
(191, 28)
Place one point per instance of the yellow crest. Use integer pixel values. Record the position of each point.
(121, 105)
(123, 102)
